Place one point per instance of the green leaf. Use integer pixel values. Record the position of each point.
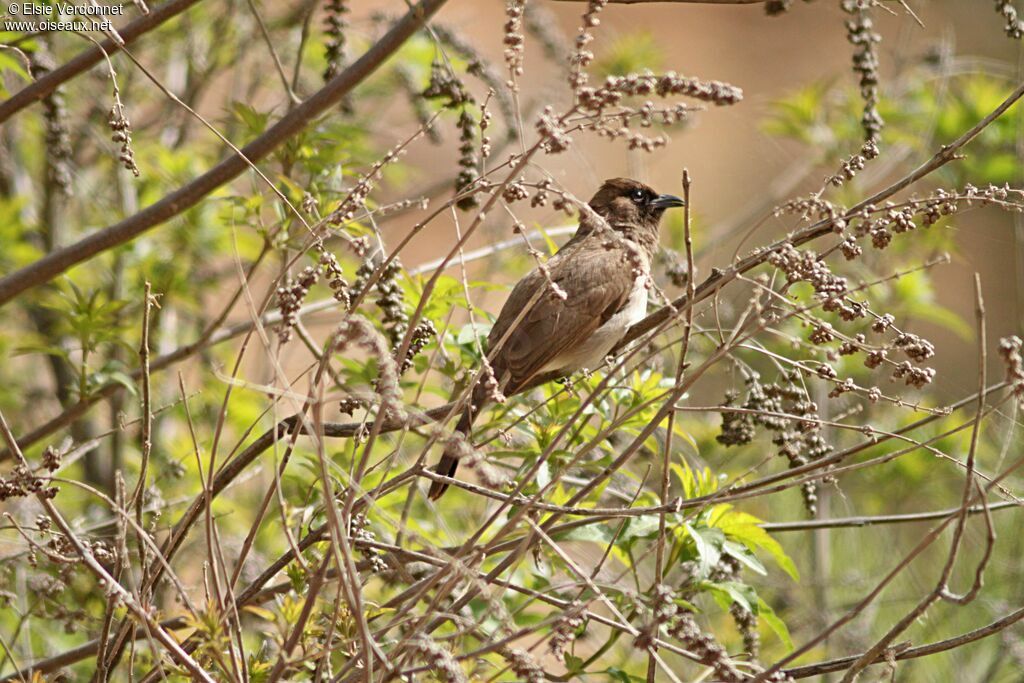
(640, 527)
(728, 592)
(744, 555)
(573, 664)
(709, 541)
(42, 348)
(630, 53)
(765, 612)
(551, 244)
(746, 529)
(468, 335)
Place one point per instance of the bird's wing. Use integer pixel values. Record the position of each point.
(597, 280)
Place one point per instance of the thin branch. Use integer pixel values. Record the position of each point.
(913, 652)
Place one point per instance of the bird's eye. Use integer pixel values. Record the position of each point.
(638, 196)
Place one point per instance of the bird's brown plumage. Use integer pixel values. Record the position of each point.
(540, 334)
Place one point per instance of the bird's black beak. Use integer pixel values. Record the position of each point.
(667, 201)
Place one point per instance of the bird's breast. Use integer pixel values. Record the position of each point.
(591, 353)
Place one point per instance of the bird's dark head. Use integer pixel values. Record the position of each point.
(626, 203)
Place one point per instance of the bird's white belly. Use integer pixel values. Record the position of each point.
(592, 352)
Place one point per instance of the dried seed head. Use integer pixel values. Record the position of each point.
(334, 33)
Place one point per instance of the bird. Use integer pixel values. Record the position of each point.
(569, 313)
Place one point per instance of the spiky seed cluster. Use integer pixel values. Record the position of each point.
(540, 196)
(917, 348)
(850, 249)
(883, 323)
(485, 123)
(515, 191)
(479, 66)
(875, 358)
(58, 139)
(822, 334)
(523, 665)
(290, 296)
(707, 649)
(737, 428)
(1010, 352)
(310, 204)
(553, 137)
(51, 458)
(582, 57)
(359, 331)
(446, 87)
(20, 482)
(850, 347)
(854, 164)
(901, 219)
(422, 334)
(438, 659)
(1014, 26)
(391, 301)
(349, 405)
(122, 134)
(806, 266)
(564, 630)
(335, 277)
(813, 207)
(663, 610)
(514, 40)
(359, 531)
(469, 162)
(798, 438)
(334, 47)
(914, 376)
(614, 126)
(647, 84)
(860, 32)
(746, 623)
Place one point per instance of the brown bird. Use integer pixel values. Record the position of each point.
(570, 318)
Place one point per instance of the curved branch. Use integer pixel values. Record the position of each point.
(913, 652)
(187, 196)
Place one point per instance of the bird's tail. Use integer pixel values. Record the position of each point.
(450, 459)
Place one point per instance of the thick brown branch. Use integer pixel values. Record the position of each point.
(184, 198)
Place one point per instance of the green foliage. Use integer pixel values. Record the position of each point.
(631, 53)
